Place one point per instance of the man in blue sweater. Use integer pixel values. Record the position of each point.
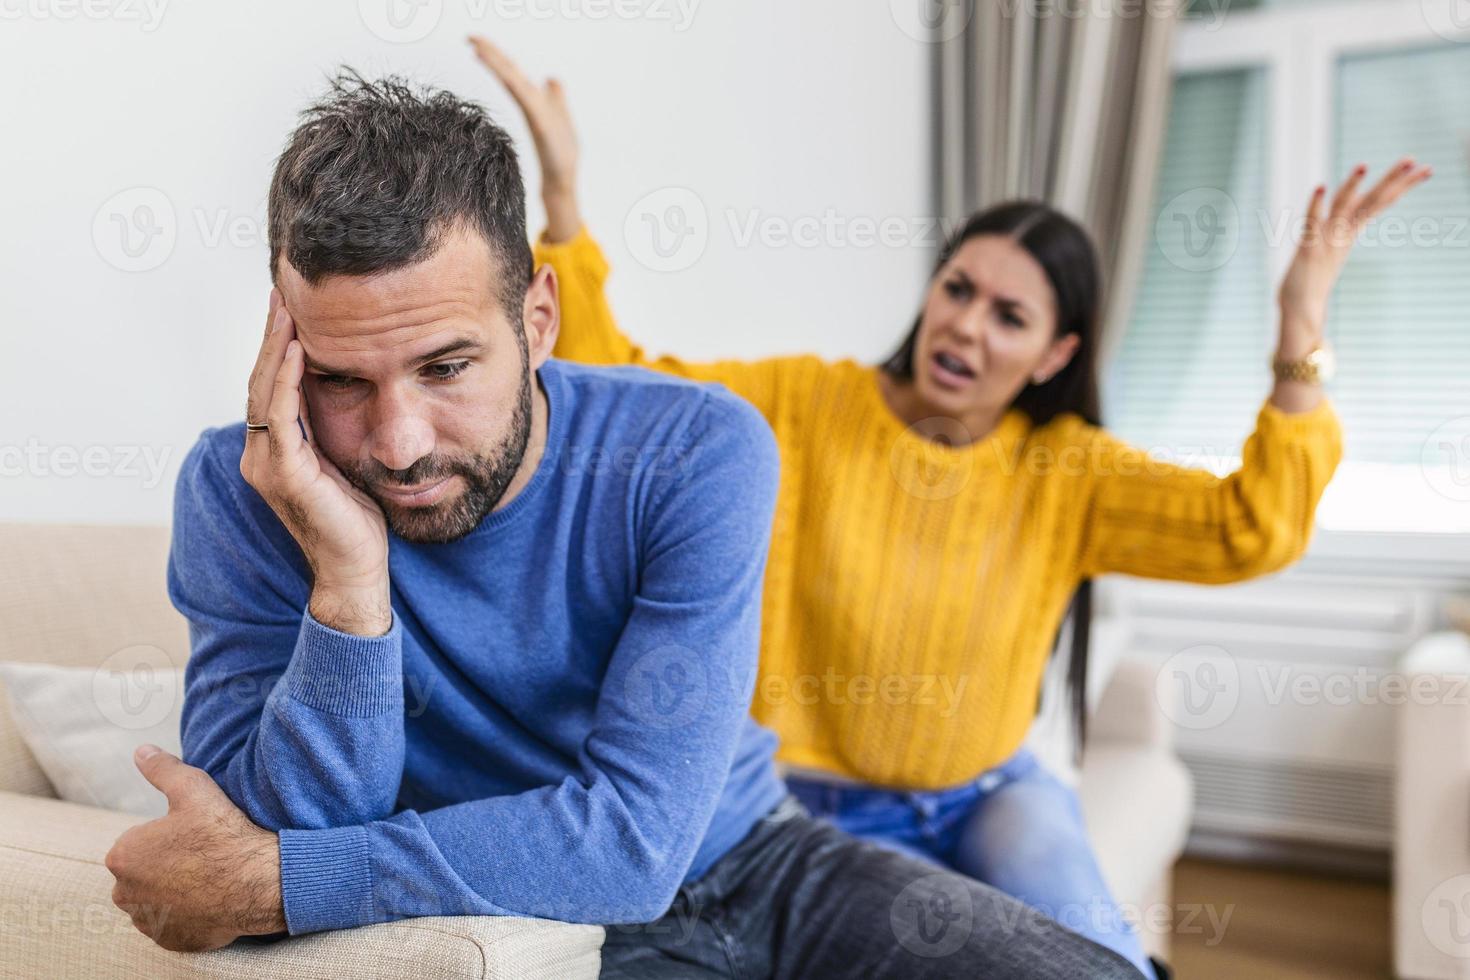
(475, 631)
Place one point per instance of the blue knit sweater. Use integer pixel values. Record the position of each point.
(556, 724)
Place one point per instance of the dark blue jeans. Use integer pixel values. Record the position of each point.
(798, 899)
(1016, 827)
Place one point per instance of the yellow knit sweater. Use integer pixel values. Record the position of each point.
(914, 589)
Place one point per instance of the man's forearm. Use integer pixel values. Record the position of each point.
(261, 910)
(361, 611)
(325, 745)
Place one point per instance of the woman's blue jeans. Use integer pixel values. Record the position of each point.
(1016, 828)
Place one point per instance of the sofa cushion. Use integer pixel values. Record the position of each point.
(82, 724)
(1137, 801)
(77, 595)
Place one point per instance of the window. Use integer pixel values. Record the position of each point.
(1401, 316)
(1266, 104)
(1188, 380)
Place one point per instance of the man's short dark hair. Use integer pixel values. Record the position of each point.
(377, 172)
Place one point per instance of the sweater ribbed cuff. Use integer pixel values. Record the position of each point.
(1295, 424)
(346, 675)
(326, 879)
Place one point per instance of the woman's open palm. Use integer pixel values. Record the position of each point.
(1328, 238)
(546, 112)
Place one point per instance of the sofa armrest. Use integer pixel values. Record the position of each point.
(57, 920)
(1137, 796)
(1431, 862)
(1131, 709)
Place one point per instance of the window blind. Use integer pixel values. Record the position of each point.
(1190, 373)
(1400, 318)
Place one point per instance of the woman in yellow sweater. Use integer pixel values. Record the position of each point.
(939, 512)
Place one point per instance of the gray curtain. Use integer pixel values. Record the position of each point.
(1050, 99)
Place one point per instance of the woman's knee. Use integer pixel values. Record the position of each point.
(1024, 829)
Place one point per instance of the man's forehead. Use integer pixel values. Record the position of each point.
(409, 355)
(457, 274)
(455, 283)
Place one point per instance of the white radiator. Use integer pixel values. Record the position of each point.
(1287, 689)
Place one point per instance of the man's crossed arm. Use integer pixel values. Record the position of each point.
(201, 876)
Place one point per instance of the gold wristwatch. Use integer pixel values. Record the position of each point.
(1316, 368)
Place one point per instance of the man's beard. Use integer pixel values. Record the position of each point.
(486, 478)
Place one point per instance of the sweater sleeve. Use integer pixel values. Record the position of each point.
(299, 724)
(1153, 519)
(613, 840)
(589, 333)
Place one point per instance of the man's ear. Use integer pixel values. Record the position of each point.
(541, 314)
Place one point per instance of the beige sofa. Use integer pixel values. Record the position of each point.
(1137, 796)
(74, 595)
(1431, 850)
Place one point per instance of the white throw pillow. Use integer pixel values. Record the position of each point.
(83, 723)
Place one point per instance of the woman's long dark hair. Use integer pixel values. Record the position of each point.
(1067, 255)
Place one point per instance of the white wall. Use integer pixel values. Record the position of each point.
(759, 109)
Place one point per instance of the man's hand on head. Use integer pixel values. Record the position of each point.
(204, 874)
(341, 531)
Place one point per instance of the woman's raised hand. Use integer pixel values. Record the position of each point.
(546, 112)
(1326, 241)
